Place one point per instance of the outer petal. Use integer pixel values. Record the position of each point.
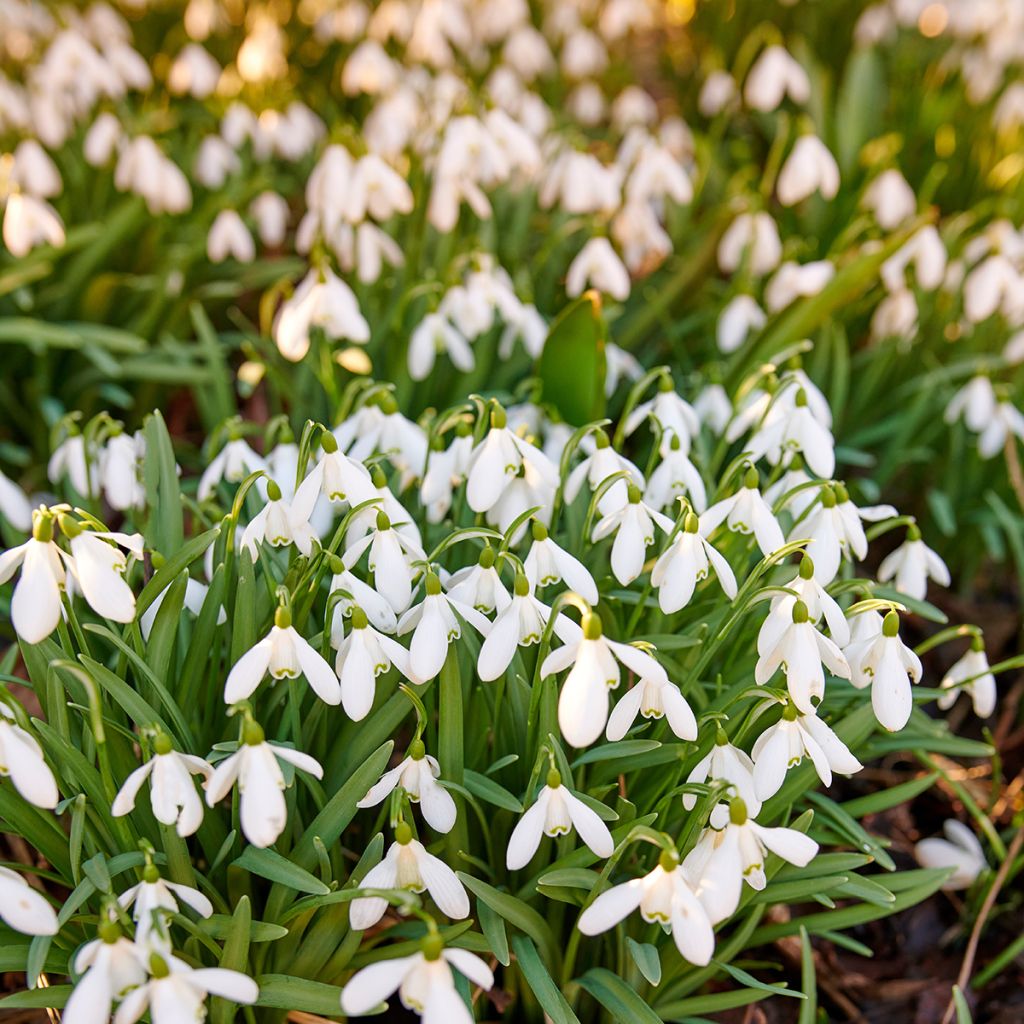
(444, 886)
(525, 838)
(371, 986)
(611, 907)
(318, 673)
(787, 843)
(248, 672)
(125, 799)
(593, 831)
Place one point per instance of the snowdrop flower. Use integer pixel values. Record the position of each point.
(879, 659)
(322, 300)
(622, 365)
(98, 568)
(971, 674)
(194, 71)
(230, 237)
(598, 265)
(479, 585)
(362, 656)
(519, 624)
(21, 760)
(215, 161)
(924, 251)
(833, 530)
(685, 562)
(583, 703)
(713, 408)
(754, 237)
(746, 512)
(434, 334)
(990, 287)
(800, 651)
(1007, 421)
(597, 467)
(23, 908)
(976, 402)
(235, 461)
(424, 982)
(775, 75)
(890, 199)
(254, 766)
(820, 603)
(154, 896)
(673, 414)
(34, 171)
(71, 459)
(784, 745)
(172, 794)
(29, 222)
(102, 139)
(555, 813)
(498, 459)
(177, 992)
(547, 563)
(911, 565)
(652, 699)
(119, 471)
(675, 477)
(434, 626)
(809, 168)
(408, 865)
(717, 93)
(663, 896)
(741, 316)
(794, 428)
(633, 526)
(381, 428)
(14, 505)
(794, 281)
(109, 967)
(960, 850)
(722, 860)
(270, 211)
(780, 494)
(285, 655)
(895, 317)
(724, 763)
(392, 560)
(282, 522)
(417, 775)
(36, 604)
(195, 598)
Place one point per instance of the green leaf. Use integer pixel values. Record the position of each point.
(517, 913)
(52, 997)
(963, 1011)
(284, 992)
(219, 926)
(617, 997)
(493, 928)
(890, 797)
(646, 958)
(808, 980)
(487, 789)
(164, 529)
(613, 751)
(271, 865)
(234, 956)
(860, 103)
(572, 366)
(745, 978)
(541, 984)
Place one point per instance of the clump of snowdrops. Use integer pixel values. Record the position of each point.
(502, 715)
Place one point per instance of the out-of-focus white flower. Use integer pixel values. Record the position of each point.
(599, 266)
(925, 252)
(270, 211)
(971, 675)
(890, 199)
(775, 75)
(975, 402)
(21, 760)
(432, 335)
(194, 71)
(1007, 421)
(230, 237)
(895, 317)
(960, 850)
(23, 908)
(15, 506)
(717, 93)
(753, 236)
(809, 168)
(29, 222)
(34, 171)
(794, 281)
(102, 139)
(741, 316)
(556, 812)
(322, 300)
(992, 286)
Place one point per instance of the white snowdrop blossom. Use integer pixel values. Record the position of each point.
(663, 896)
(675, 477)
(546, 563)
(960, 850)
(109, 967)
(392, 558)
(971, 675)
(172, 793)
(594, 661)
(911, 565)
(738, 319)
(633, 526)
(976, 402)
(23, 908)
(154, 897)
(746, 512)
(235, 461)
(652, 698)
(255, 769)
(424, 982)
(284, 654)
(754, 238)
(596, 468)
(417, 775)
(784, 745)
(890, 199)
(36, 604)
(362, 656)
(775, 75)
(724, 763)
(599, 266)
(878, 658)
(809, 168)
(322, 301)
(21, 760)
(684, 563)
(408, 865)
(556, 812)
